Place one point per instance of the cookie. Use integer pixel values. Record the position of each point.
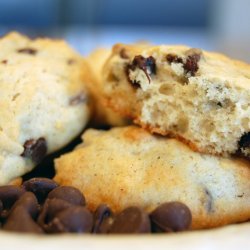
(102, 115)
(200, 97)
(128, 166)
(43, 101)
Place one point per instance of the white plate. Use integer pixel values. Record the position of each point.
(230, 237)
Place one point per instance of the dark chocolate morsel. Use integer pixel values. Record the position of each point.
(79, 98)
(171, 216)
(40, 187)
(148, 65)
(4, 61)
(103, 218)
(29, 202)
(244, 141)
(29, 51)
(35, 149)
(74, 219)
(50, 208)
(172, 58)
(191, 65)
(69, 194)
(9, 195)
(20, 220)
(131, 220)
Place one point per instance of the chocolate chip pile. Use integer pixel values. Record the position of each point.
(39, 206)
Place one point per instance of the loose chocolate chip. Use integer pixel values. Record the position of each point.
(20, 220)
(172, 58)
(244, 141)
(191, 65)
(4, 61)
(103, 219)
(123, 53)
(148, 65)
(29, 51)
(9, 195)
(29, 202)
(40, 187)
(69, 194)
(79, 98)
(35, 149)
(74, 219)
(131, 220)
(171, 216)
(50, 208)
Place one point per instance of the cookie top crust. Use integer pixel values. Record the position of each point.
(211, 64)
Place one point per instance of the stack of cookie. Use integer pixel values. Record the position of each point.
(193, 110)
(189, 143)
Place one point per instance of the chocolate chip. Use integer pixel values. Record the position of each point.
(123, 53)
(243, 143)
(40, 187)
(103, 219)
(191, 65)
(219, 104)
(29, 202)
(131, 220)
(172, 58)
(35, 149)
(29, 51)
(53, 206)
(148, 65)
(21, 221)
(69, 194)
(4, 61)
(171, 216)
(79, 98)
(74, 219)
(9, 195)
(50, 208)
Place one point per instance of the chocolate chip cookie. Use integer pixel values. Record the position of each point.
(128, 166)
(43, 101)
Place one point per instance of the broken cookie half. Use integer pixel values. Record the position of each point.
(200, 97)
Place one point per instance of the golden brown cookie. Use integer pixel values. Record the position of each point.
(128, 166)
